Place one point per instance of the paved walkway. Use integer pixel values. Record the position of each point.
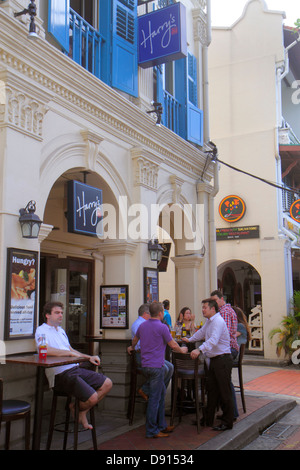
(271, 394)
(260, 391)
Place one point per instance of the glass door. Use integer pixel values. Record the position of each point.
(69, 281)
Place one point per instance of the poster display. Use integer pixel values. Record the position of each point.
(150, 285)
(114, 306)
(21, 294)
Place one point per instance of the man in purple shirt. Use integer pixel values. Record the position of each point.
(154, 336)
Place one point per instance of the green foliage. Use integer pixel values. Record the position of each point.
(289, 330)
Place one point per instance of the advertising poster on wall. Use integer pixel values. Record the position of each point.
(150, 285)
(21, 294)
(114, 306)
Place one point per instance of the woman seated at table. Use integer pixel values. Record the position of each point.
(243, 334)
(187, 318)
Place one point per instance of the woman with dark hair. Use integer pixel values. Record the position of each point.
(243, 334)
(187, 318)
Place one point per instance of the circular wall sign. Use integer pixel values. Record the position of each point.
(295, 210)
(232, 208)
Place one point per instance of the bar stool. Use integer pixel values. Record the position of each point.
(134, 372)
(12, 410)
(187, 369)
(238, 365)
(57, 394)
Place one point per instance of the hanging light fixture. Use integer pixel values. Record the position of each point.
(29, 221)
(155, 250)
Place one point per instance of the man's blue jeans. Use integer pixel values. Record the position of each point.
(155, 416)
(168, 368)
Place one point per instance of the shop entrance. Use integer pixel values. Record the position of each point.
(69, 281)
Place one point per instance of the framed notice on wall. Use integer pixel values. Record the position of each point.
(114, 306)
(21, 294)
(150, 285)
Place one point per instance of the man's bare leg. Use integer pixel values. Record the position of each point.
(85, 406)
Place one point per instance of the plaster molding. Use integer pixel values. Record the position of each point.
(189, 261)
(176, 184)
(74, 89)
(22, 112)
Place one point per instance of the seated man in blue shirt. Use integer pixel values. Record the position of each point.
(144, 315)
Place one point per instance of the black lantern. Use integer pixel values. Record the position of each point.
(31, 11)
(155, 249)
(29, 221)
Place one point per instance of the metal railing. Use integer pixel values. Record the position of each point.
(171, 111)
(85, 44)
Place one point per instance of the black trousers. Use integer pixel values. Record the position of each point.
(219, 389)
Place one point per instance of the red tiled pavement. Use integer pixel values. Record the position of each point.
(284, 382)
(184, 437)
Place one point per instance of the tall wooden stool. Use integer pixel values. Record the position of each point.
(134, 372)
(57, 394)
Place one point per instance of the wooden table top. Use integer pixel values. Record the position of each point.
(50, 361)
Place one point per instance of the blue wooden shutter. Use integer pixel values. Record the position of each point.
(194, 114)
(124, 46)
(58, 22)
(181, 94)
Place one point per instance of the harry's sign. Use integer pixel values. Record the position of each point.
(84, 208)
(162, 36)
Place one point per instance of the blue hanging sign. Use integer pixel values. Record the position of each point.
(162, 36)
(84, 209)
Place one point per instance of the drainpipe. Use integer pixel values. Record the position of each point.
(215, 190)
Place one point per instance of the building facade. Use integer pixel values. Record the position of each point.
(252, 75)
(78, 114)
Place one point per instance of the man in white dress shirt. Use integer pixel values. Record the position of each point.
(216, 347)
(87, 385)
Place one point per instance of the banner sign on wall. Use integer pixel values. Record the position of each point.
(232, 208)
(114, 305)
(295, 210)
(84, 209)
(162, 36)
(21, 293)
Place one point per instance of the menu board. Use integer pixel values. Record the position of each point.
(114, 306)
(21, 294)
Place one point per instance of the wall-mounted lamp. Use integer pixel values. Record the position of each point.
(213, 152)
(155, 250)
(29, 221)
(158, 110)
(31, 10)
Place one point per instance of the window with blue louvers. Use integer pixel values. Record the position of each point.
(108, 47)
(177, 90)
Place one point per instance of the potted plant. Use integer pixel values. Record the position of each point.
(289, 330)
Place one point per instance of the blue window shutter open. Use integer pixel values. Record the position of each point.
(194, 124)
(124, 46)
(194, 114)
(58, 22)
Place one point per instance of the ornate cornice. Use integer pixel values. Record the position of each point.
(69, 86)
(21, 112)
(146, 166)
(200, 26)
